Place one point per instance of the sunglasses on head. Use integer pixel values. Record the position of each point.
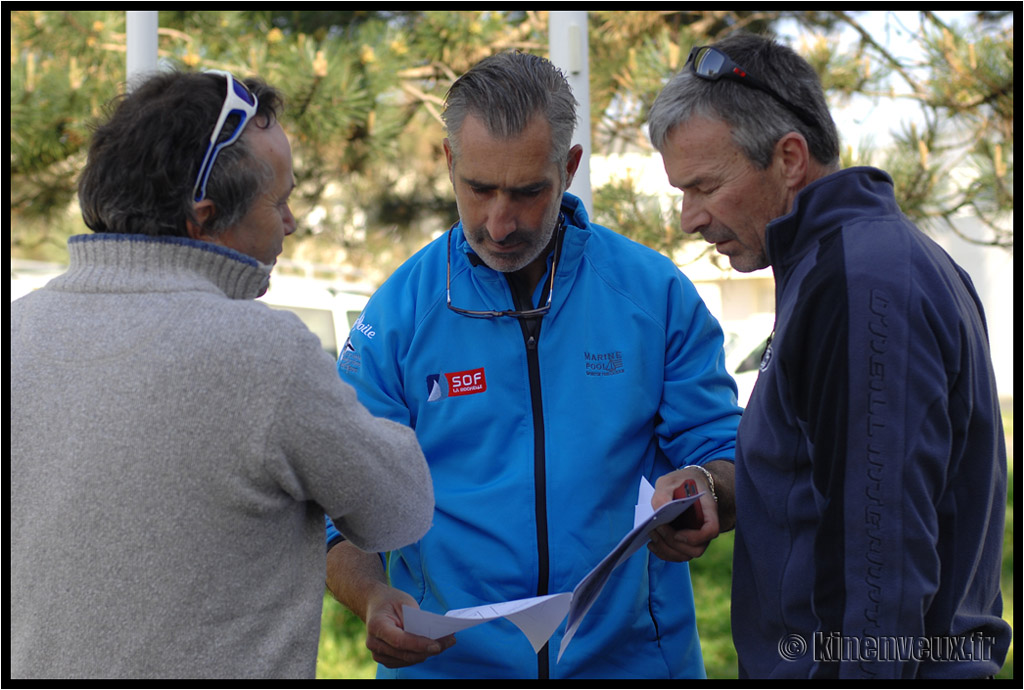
(712, 64)
(238, 101)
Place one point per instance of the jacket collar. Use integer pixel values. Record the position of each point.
(823, 206)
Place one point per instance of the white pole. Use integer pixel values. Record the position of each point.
(569, 50)
(141, 30)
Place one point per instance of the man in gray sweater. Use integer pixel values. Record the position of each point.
(174, 443)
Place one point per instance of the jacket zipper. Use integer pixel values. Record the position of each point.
(531, 335)
(540, 485)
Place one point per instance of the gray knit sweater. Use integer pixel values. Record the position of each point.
(174, 447)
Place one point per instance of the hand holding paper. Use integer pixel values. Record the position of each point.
(539, 617)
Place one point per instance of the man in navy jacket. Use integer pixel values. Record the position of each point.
(870, 462)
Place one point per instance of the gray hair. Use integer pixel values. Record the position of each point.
(757, 120)
(507, 91)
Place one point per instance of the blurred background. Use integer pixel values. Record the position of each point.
(927, 96)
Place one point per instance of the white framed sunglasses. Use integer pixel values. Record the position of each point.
(239, 101)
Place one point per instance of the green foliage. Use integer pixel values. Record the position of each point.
(56, 87)
(638, 215)
(711, 577)
(343, 652)
(1009, 573)
(959, 159)
(364, 91)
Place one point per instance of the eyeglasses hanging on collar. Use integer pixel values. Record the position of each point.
(514, 313)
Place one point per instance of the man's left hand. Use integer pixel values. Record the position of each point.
(686, 544)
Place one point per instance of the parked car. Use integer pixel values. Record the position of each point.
(745, 343)
(327, 311)
(27, 276)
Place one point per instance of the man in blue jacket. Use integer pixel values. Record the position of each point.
(870, 463)
(546, 364)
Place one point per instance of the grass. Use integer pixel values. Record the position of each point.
(343, 653)
(711, 575)
(1008, 561)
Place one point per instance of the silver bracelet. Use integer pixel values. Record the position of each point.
(711, 480)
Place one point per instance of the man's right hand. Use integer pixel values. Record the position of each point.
(385, 636)
(357, 580)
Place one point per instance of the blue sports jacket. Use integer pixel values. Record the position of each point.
(536, 443)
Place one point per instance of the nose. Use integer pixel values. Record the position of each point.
(692, 215)
(501, 219)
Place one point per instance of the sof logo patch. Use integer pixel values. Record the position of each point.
(458, 383)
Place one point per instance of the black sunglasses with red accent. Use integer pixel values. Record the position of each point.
(712, 64)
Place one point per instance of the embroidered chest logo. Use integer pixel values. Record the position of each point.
(603, 363)
(458, 383)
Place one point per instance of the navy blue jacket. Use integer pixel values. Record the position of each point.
(871, 462)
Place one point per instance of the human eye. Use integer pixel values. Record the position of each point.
(530, 191)
(478, 187)
(286, 196)
(699, 188)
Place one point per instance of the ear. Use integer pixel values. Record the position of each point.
(449, 159)
(572, 164)
(204, 210)
(793, 157)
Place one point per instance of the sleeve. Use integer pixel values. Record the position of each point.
(869, 388)
(367, 473)
(357, 367)
(699, 414)
(371, 362)
(334, 537)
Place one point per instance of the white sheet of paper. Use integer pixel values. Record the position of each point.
(589, 588)
(539, 617)
(643, 508)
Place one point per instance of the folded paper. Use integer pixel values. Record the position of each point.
(539, 617)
